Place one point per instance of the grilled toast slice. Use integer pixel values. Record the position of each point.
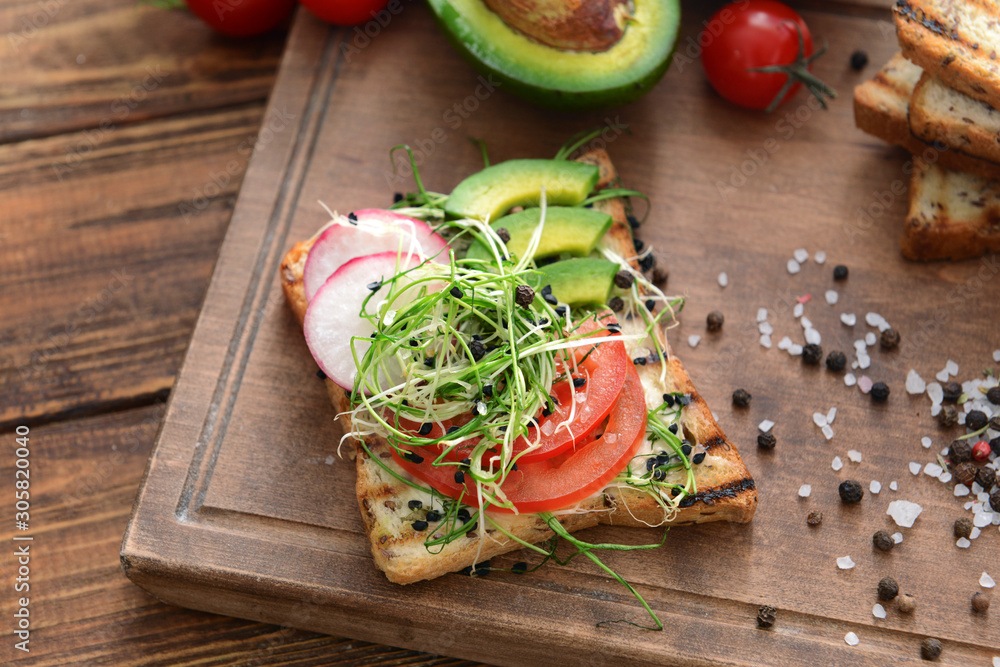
(958, 41)
(882, 106)
(943, 115)
(953, 214)
(726, 491)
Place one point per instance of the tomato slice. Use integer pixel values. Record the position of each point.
(559, 482)
(604, 367)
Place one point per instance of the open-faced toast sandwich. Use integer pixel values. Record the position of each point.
(518, 366)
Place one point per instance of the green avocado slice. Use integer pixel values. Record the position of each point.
(570, 230)
(495, 190)
(580, 281)
(558, 78)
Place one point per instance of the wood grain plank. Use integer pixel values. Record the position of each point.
(97, 65)
(119, 246)
(84, 611)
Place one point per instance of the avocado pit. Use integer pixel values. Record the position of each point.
(569, 25)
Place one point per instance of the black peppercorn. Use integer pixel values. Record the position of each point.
(995, 423)
(714, 320)
(976, 419)
(980, 602)
(616, 304)
(766, 616)
(995, 500)
(907, 603)
(836, 360)
(812, 354)
(858, 60)
(524, 296)
(995, 445)
(624, 279)
(741, 398)
(503, 234)
(964, 473)
(930, 649)
(963, 527)
(477, 349)
(993, 395)
(889, 340)
(815, 518)
(986, 478)
(959, 452)
(952, 392)
(948, 416)
(888, 589)
(882, 541)
(839, 272)
(851, 491)
(880, 392)
(766, 441)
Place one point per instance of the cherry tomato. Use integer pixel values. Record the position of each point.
(751, 34)
(242, 18)
(345, 12)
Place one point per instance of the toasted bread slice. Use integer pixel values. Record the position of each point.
(726, 491)
(958, 41)
(943, 115)
(881, 107)
(953, 215)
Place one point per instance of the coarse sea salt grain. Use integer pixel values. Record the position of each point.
(897, 537)
(819, 257)
(723, 279)
(873, 319)
(827, 432)
(851, 639)
(878, 611)
(795, 350)
(952, 367)
(819, 419)
(798, 309)
(942, 376)
(860, 345)
(933, 470)
(926, 442)
(765, 341)
(864, 361)
(837, 463)
(761, 314)
(935, 392)
(854, 455)
(915, 384)
(996, 659)
(806, 323)
(813, 337)
(832, 296)
(945, 477)
(935, 410)
(793, 267)
(961, 490)
(850, 319)
(784, 343)
(831, 415)
(986, 581)
(974, 533)
(996, 357)
(982, 519)
(805, 490)
(875, 487)
(870, 339)
(801, 255)
(765, 328)
(845, 563)
(883, 325)
(894, 486)
(963, 543)
(693, 340)
(904, 513)
(850, 380)
(914, 467)
(865, 384)
(766, 425)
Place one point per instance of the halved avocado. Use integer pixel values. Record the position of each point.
(570, 230)
(580, 281)
(573, 66)
(498, 188)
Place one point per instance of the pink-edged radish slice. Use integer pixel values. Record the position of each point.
(333, 316)
(374, 231)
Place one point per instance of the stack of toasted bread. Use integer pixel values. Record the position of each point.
(940, 99)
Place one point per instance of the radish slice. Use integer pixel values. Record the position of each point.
(374, 231)
(332, 318)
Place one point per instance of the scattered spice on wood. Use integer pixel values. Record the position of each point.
(952, 392)
(889, 340)
(766, 616)
(766, 441)
(888, 589)
(812, 354)
(715, 320)
(840, 272)
(930, 649)
(741, 398)
(963, 527)
(976, 419)
(836, 360)
(964, 473)
(815, 518)
(883, 542)
(980, 602)
(851, 492)
(880, 392)
(858, 60)
(907, 603)
(948, 416)
(993, 395)
(960, 452)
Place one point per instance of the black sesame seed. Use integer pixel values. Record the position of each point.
(633, 221)
(425, 428)
(397, 197)
(698, 458)
(414, 504)
(651, 462)
(459, 477)
(550, 299)
(638, 244)
(560, 311)
(519, 568)
(687, 502)
(429, 361)
(412, 457)
(452, 429)
(480, 570)
(686, 449)
(352, 217)
(668, 399)
(579, 382)
(672, 428)
(463, 515)
(546, 412)
(546, 289)
(650, 305)
(639, 361)
(858, 60)
(375, 286)
(320, 374)
(488, 391)
(614, 328)
(419, 526)
(456, 292)
(659, 475)
(413, 342)
(466, 461)
(514, 467)
(433, 516)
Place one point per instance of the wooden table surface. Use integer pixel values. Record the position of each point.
(124, 135)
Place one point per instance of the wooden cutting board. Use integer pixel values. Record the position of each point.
(246, 509)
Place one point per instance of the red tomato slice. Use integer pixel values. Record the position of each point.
(604, 369)
(441, 478)
(559, 482)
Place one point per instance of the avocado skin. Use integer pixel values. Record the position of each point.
(570, 230)
(628, 90)
(579, 281)
(496, 189)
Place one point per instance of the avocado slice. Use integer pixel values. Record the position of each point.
(580, 281)
(566, 71)
(570, 230)
(496, 189)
